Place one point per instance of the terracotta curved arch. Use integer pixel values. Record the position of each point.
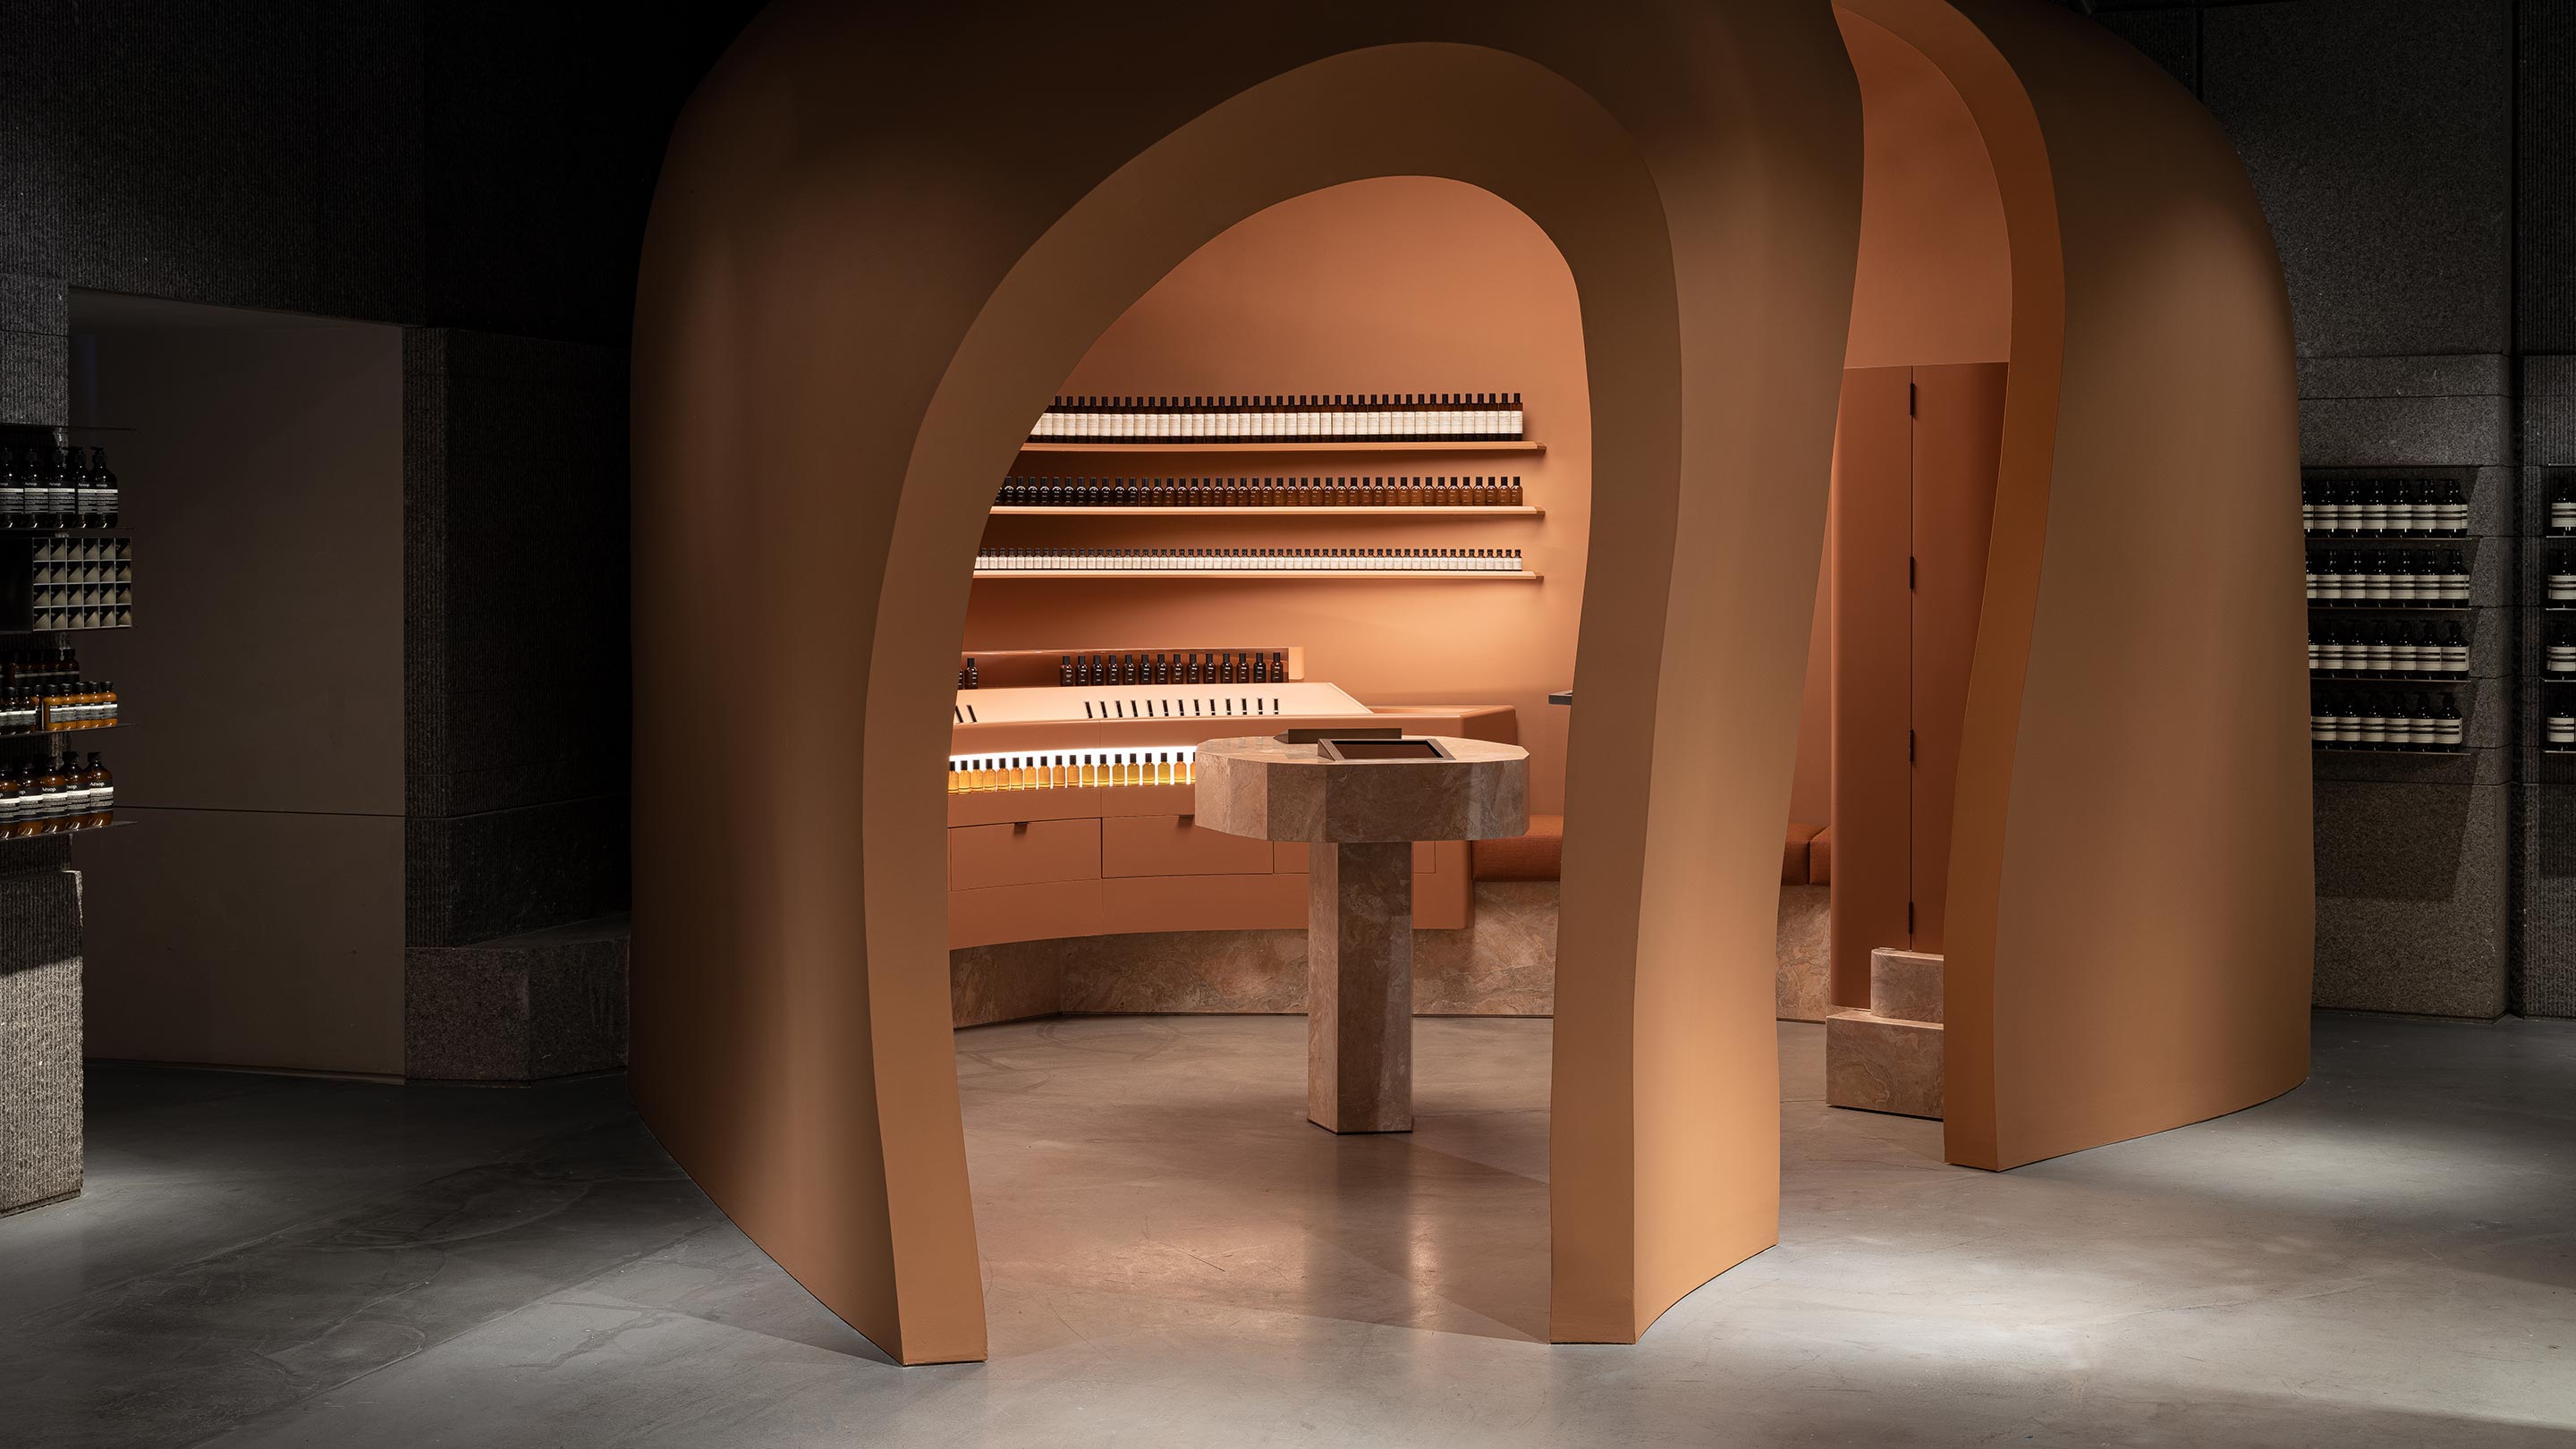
(869, 264)
(2132, 889)
(879, 244)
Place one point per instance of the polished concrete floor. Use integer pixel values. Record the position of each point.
(2386, 1256)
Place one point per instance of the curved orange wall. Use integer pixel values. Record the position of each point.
(2131, 906)
(876, 252)
(1398, 284)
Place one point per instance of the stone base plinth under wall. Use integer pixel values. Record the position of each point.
(523, 1008)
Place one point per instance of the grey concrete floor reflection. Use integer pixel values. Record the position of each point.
(1173, 1257)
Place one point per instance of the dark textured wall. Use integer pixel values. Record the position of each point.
(2417, 161)
(479, 172)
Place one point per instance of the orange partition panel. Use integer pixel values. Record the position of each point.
(1872, 786)
(1958, 432)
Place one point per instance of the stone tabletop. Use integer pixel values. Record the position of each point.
(1256, 786)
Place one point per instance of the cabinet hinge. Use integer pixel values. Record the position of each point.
(1909, 573)
(1909, 918)
(1909, 747)
(1909, 399)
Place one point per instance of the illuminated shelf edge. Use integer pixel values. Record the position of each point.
(1459, 576)
(1479, 510)
(1213, 447)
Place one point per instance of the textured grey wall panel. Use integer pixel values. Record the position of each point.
(2412, 898)
(2548, 905)
(470, 878)
(40, 1036)
(2379, 134)
(2545, 216)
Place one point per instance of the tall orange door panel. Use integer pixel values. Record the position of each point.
(1872, 802)
(1958, 443)
(1914, 502)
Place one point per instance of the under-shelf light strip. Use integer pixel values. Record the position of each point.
(1250, 560)
(1462, 492)
(1072, 769)
(1448, 417)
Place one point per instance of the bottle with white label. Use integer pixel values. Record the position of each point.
(2562, 578)
(2559, 731)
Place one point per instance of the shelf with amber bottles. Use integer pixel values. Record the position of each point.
(1460, 577)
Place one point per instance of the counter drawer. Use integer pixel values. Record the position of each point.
(1132, 845)
(1023, 913)
(1026, 853)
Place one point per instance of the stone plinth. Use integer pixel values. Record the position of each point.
(1888, 1058)
(523, 1008)
(1361, 817)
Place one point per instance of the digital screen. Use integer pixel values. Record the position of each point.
(1385, 749)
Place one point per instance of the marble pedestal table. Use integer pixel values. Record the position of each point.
(1361, 816)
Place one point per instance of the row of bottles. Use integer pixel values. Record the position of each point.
(58, 488)
(2562, 509)
(79, 704)
(1249, 560)
(1071, 769)
(2396, 575)
(2562, 578)
(2385, 722)
(38, 668)
(1484, 492)
(2558, 731)
(1084, 670)
(2386, 508)
(2377, 648)
(2560, 657)
(1410, 417)
(42, 798)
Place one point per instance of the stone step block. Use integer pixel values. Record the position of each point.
(1905, 985)
(1877, 1064)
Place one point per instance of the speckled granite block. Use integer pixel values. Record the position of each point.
(2405, 431)
(1879, 1065)
(40, 1037)
(523, 1008)
(1803, 986)
(2412, 898)
(35, 377)
(470, 878)
(34, 304)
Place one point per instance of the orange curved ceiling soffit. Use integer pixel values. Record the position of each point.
(877, 248)
(2131, 905)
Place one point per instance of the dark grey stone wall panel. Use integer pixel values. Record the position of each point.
(34, 134)
(35, 378)
(2446, 411)
(2548, 896)
(369, 226)
(2379, 135)
(2548, 414)
(2412, 898)
(2545, 211)
(471, 878)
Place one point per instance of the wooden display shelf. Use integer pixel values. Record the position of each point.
(67, 833)
(1338, 510)
(2389, 676)
(2393, 606)
(1212, 446)
(1466, 576)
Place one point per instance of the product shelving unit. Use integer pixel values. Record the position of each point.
(2462, 542)
(15, 633)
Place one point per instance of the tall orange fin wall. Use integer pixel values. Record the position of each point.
(880, 245)
(2130, 913)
